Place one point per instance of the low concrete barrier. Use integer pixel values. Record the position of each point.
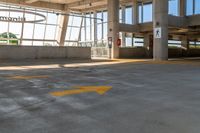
(139, 52)
(142, 52)
(43, 52)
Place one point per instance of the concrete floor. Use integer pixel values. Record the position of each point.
(146, 97)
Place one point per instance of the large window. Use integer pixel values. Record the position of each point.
(174, 43)
(193, 7)
(189, 4)
(131, 41)
(120, 15)
(145, 12)
(194, 44)
(128, 15)
(134, 42)
(39, 34)
(197, 7)
(93, 22)
(174, 7)
(73, 30)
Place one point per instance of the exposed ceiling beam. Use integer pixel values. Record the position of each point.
(31, 1)
(85, 2)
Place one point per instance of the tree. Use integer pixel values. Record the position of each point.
(12, 38)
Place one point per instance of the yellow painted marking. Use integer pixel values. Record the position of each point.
(83, 89)
(28, 77)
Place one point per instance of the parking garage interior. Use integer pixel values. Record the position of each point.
(99, 66)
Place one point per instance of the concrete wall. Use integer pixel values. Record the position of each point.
(133, 52)
(144, 53)
(194, 52)
(178, 52)
(42, 52)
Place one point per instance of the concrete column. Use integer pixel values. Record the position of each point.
(135, 12)
(62, 30)
(160, 21)
(95, 29)
(123, 21)
(182, 8)
(113, 25)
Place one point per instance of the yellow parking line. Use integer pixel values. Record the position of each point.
(28, 77)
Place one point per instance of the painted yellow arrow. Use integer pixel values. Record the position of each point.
(83, 89)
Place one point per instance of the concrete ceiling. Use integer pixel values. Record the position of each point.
(76, 5)
(54, 1)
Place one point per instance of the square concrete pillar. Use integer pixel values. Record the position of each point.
(95, 29)
(123, 34)
(113, 26)
(135, 12)
(182, 8)
(160, 26)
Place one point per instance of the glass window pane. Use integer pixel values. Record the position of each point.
(88, 33)
(3, 31)
(29, 16)
(38, 43)
(38, 17)
(15, 28)
(50, 43)
(197, 6)
(28, 30)
(128, 41)
(39, 31)
(68, 34)
(77, 21)
(105, 16)
(4, 27)
(120, 15)
(52, 18)
(50, 32)
(27, 43)
(99, 16)
(74, 34)
(70, 21)
(138, 42)
(189, 9)
(128, 13)
(83, 34)
(105, 30)
(99, 32)
(173, 7)
(147, 13)
(140, 13)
